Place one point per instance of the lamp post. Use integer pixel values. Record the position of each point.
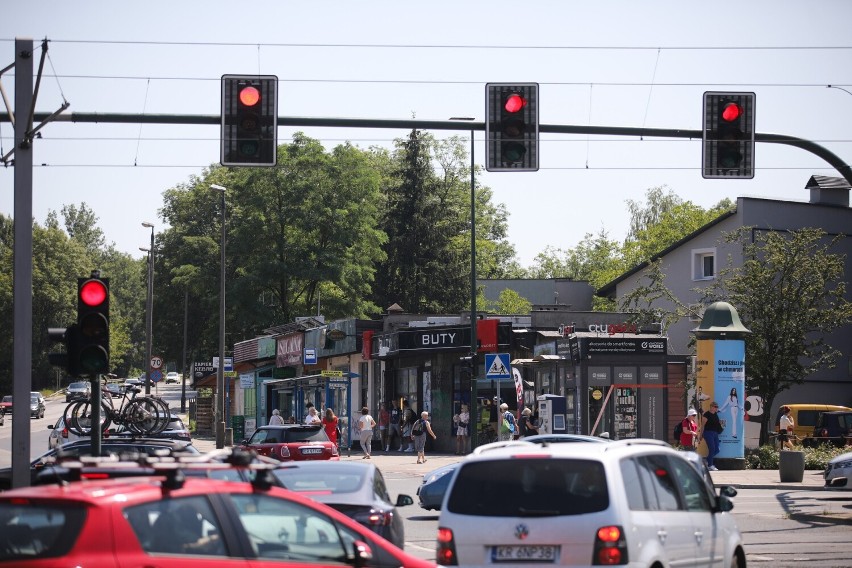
(149, 322)
(473, 347)
(183, 363)
(220, 371)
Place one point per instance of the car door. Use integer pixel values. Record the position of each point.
(709, 545)
(664, 520)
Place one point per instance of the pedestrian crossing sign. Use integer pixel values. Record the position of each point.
(497, 366)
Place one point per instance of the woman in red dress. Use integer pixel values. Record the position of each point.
(329, 422)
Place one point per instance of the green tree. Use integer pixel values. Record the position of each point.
(510, 302)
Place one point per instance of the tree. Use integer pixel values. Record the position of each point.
(510, 302)
(790, 292)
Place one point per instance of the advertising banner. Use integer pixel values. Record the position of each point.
(720, 378)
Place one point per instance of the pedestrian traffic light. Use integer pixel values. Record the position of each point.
(728, 136)
(90, 355)
(249, 120)
(67, 337)
(511, 128)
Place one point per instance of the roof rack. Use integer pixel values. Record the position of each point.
(635, 442)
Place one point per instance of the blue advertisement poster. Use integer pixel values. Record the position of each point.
(729, 393)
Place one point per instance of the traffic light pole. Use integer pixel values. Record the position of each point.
(92, 117)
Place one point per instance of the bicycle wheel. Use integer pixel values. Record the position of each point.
(145, 416)
(163, 413)
(78, 417)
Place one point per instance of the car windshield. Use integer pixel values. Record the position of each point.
(7, 398)
(337, 478)
(529, 488)
(292, 434)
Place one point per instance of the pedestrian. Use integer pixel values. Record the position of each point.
(527, 426)
(507, 423)
(275, 419)
(330, 423)
(365, 427)
(462, 422)
(395, 431)
(384, 421)
(689, 435)
(786, 425)
(419, 430)
(408, 420)
(710, 430)
(312, 417)
(732, 403)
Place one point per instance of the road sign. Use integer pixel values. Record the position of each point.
(310, 356)
(331, 373)
(497, 366)
(156, 363)
(229, 364)
(156, 376)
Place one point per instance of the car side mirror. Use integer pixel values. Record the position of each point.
(362, 554)
(725, 504)
(728, 491)
(402, 500)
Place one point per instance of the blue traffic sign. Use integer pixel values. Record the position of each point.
(156, 376)
(497, 366)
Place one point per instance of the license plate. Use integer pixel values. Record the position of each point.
(311, 450)
(525, 553)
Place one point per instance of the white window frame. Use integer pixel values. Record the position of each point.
(698, 256)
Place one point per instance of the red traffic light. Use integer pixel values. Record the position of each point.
(249, 96)
(731, 112)
(93, 293)
(514, 103)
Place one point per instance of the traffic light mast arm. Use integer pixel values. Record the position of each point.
(90, 117)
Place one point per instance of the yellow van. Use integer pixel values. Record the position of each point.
(805, 417)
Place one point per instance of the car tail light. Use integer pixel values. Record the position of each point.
(64, 433)
(379, 519)
(610, 547)
(446, 551)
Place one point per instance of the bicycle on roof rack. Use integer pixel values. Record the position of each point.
(141, 415)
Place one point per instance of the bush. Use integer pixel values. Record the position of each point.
(767, 457)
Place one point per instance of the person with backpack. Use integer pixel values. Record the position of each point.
(689, 431)
(507, 424)
(419, 430)
(528, 427)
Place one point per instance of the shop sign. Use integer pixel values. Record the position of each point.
(289, 353)
(623, 345)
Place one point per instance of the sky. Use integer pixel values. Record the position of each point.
(605, 63)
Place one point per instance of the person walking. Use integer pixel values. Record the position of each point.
(462, 422)
(506, 424)
(275, 419)
(419, 430)
(395, 431)
(384, 421)
(786, 426)
(330, 423)
(365, 428)
(689, 435)
(527, 426)
(710, 429)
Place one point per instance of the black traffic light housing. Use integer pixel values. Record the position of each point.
(68, 337)
(249, 120)
(511, 127)
(90, 353)
(728, 136)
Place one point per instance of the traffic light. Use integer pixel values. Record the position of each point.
(90, 355)
(68, 338)
(249, 120)
(511, 128)
(728, 136)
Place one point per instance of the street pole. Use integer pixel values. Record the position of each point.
(220, 371)
(183, 362)
(149, 309)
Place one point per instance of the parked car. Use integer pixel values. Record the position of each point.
(41, 466)
(6, 403)
(172, 378)
(60, 433)
(833, 428)
(434, 485)
(36, 406)
(805, 418)
(586, 504)
(169, 520)
(357, 490)
(293, 442)
(838, 472)
(79, 390)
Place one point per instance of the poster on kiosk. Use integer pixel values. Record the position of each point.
(551, 414)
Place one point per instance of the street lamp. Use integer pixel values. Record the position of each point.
(149, 322)
(473, 346)
(220, 371)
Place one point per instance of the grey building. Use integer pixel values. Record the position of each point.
(695, 260)
(574, 294)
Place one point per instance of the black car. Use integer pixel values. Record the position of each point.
(357, 490)
(833, 428)
(41, 466)
(434, 486)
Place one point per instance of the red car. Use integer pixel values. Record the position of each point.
(176, 521)
(293, 442)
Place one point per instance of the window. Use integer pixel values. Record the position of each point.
(692, 485)
(30, 531)
(658, 483)
(177, 526)
(704, 264)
